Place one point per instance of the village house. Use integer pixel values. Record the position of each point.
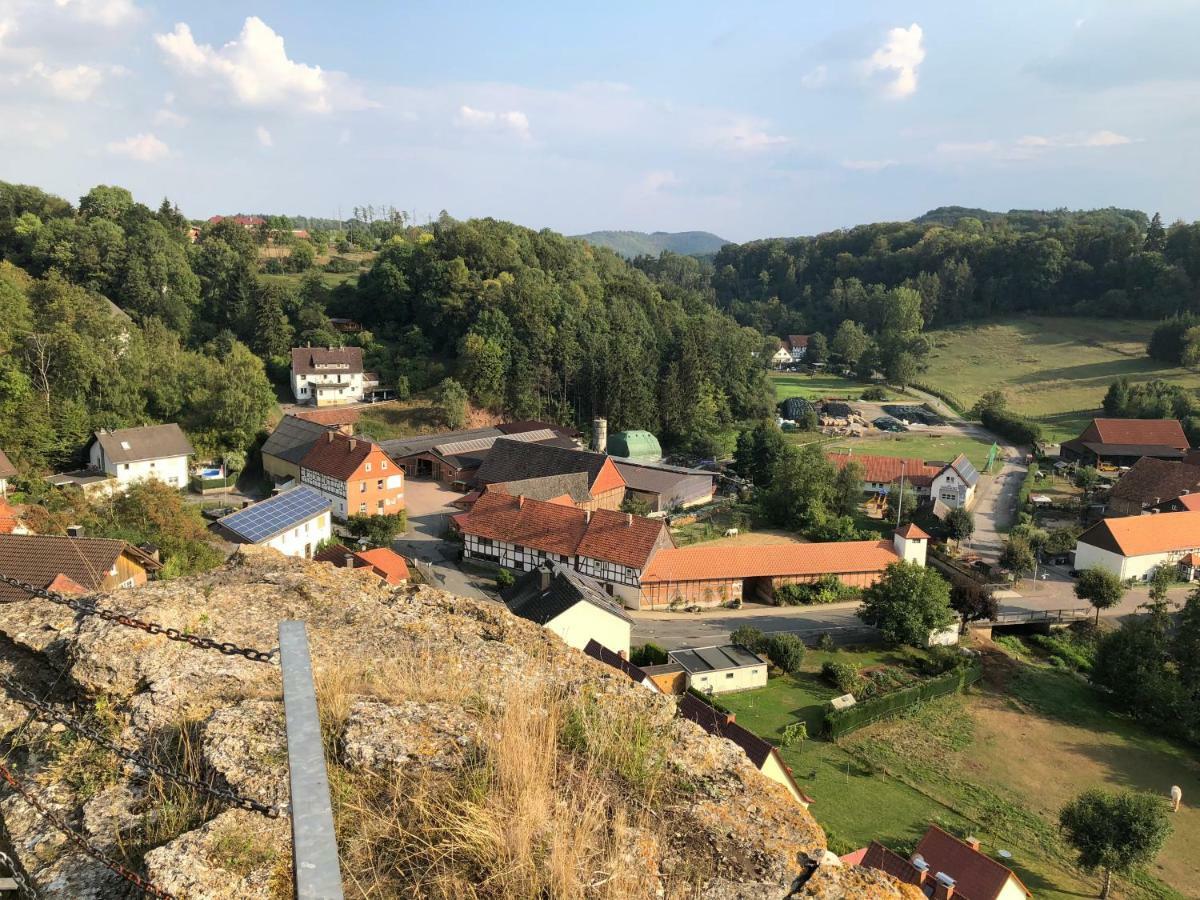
(247, 222)
(355, 475)
(73, 565)
(713, 576)
(944, 867)
(1151, 483)
(10, 519)
(762, 754)
(516, 533)
(665, 488)
(294, 522)
(454, 457)
(797, 346)
(781, 357)
(7, 471)
(883, 474)
(382, 561)
(573, 606)
(1122, 442)
(327, 376)
(1137, 546)
(636, 674)
(286, 447)
(158, 452)
(955, 484)
(719, 670)
(547, 472)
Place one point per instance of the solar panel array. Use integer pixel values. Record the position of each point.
(968, 472)
(269, 518)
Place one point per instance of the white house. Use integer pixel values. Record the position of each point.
(797, 345)
(781, 357)
(1135, 546)
(719, 670)
(327, 376)
(294, 522)
(7, 471)
(571, 605)
(157, 452)
(955, 484)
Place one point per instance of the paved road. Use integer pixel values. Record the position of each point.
(428, 506)
(996, 507)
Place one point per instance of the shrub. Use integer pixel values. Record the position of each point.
(826, 589)
(341, 266)
(749, 637)
(842, 676)
(1009, 425)
(505, 579)
(786, 651)
(940, 660)
(648, 654)
(874, 394)
(794, 733)
(825, 642)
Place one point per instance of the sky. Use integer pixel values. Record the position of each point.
(749, 120)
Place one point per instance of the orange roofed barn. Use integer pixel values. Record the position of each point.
(356, 476)
(1122, 442)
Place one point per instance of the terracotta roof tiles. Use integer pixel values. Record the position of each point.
(701, 563)
(327, 360)
(887, 469)
(976, 875)
(1164, 432)
(1141, 535)
(339, 456)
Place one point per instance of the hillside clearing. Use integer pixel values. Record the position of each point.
(1055, 370)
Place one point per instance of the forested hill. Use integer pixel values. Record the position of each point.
(530, 324)
(966, 264)
(631, 244)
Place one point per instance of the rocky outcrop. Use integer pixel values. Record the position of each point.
(441, 715)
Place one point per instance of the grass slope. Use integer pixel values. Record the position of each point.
(1055, 370)
(640, 243)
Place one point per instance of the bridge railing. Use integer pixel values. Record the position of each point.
(1036, 616)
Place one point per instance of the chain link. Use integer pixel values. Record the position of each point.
(87, 606)
(24, 888)
(143, 884)
(29, 699)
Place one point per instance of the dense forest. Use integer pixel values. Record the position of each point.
(631, 244)
(114, 314)
(966, 264)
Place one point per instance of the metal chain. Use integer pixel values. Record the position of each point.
(29, 699)
(24, 888)
(140, 882)
(88, 607)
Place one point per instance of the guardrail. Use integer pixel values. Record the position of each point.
(1039, 616)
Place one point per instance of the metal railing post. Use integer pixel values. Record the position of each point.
(317, 872)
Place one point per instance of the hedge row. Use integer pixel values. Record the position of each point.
(842, 721)
(1009, 425)
(949, 399)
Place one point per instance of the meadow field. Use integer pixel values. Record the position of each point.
(830, 387)
(966, 763)
(1055, 370)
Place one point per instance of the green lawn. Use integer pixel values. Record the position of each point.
(995, 763)
(921, 446)
(1055, 370)
(817, 386)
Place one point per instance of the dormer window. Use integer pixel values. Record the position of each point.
(125, 445)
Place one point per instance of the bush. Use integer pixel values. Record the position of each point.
(940, 660)
(339, 265)
(874, 394)
(648, 654)
(1009, 425)
(379, 531)
(786, 651)
(825, 642)
(826, 589)
(842, 676)
(749, 637)
(505, 579)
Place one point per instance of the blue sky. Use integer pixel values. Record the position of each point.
(748, 120)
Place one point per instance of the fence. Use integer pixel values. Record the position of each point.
(839, 722)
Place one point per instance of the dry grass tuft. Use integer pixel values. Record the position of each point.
(553, 804)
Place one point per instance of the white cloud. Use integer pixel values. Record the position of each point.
(166, 116)
(899, 57)
(513, 121)
(658, 181)
(7, 27)
(142, 147)
(868, 165)
(744, 135)
(256, 71)
(264, 136)
(1106, 139)
(74, 83)
(109, 13)
(1031, 146)
(967, 149)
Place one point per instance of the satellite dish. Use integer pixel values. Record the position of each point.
(1004, 854)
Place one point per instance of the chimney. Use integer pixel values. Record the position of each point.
(599, 434)
(75, 531)
(922, 868)
(729, 718)
(943, 888)
(329, 437)
(544, 578)
(623, 655)
(348, 562)
(972, 842)
(587, 516)
(520, 501)
(353, 444)
(628, 519)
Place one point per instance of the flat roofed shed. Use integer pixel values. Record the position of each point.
(715, 659)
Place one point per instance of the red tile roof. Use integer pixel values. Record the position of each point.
(877, 856)
(340, 456)
(605, 535)
(8, 517)
(387, 564)
(797, 340)
(976, 875)
(1141, 535)
(913, 533)
(703, 563)
(1190, 502)
(305, 360)
(1163, 432)
(887, 469)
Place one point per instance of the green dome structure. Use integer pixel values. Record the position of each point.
(639, 445)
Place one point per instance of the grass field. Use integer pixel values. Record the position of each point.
(809, 386)
(1055, 370)
(998, 761)
(942, 447)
